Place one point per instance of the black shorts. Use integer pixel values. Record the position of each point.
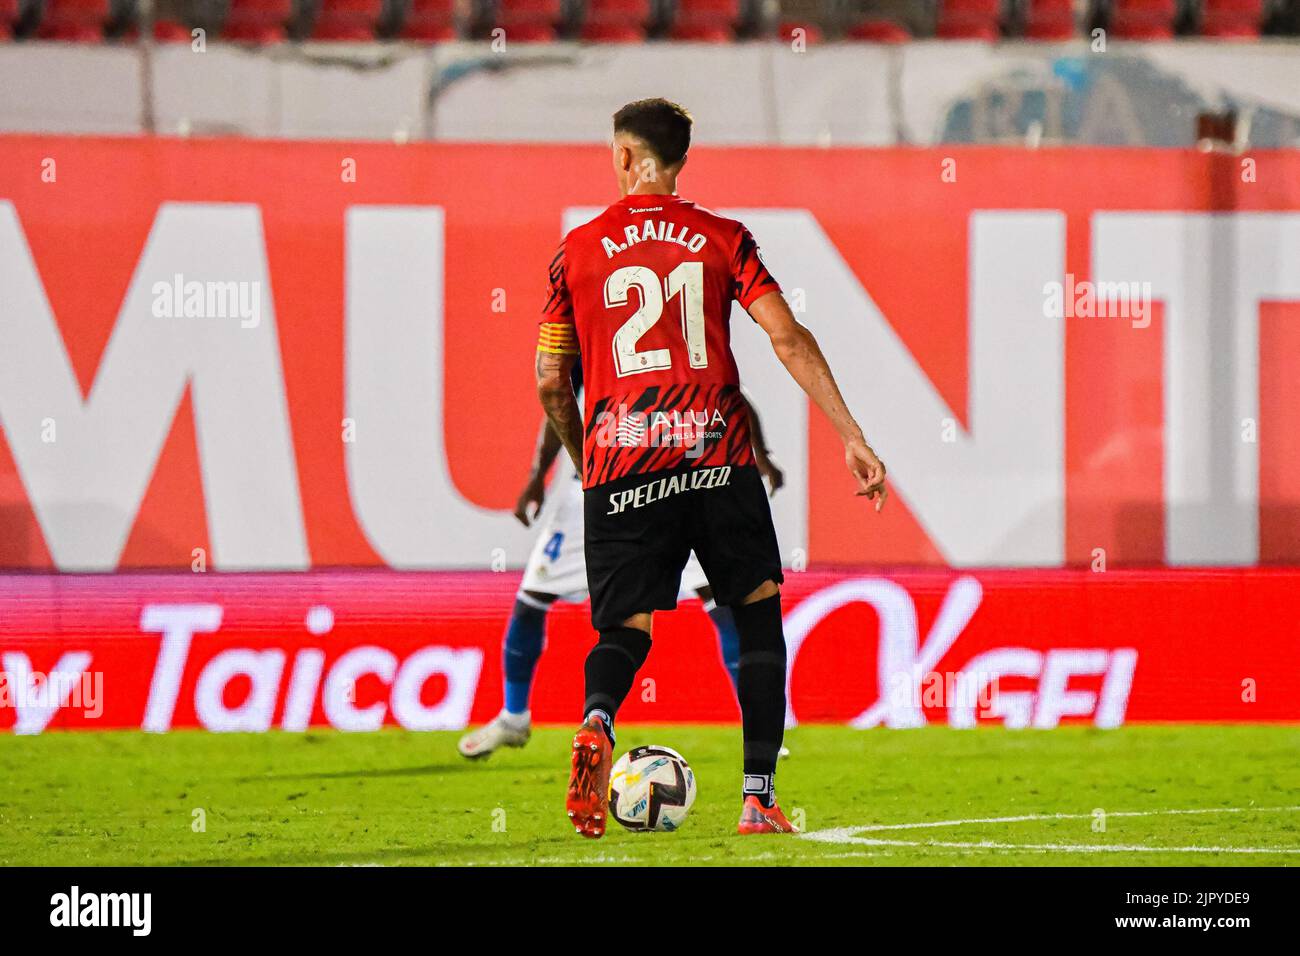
(641, 530)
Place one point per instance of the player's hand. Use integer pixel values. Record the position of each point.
(530, 500)
(771, 472)
(867, 469)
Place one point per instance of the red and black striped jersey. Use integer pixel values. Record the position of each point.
(643, 292)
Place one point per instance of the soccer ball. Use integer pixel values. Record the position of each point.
(651, 788)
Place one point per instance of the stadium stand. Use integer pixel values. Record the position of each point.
(429, 21)
(349, 20)
(1232, 19)
(633, 21)
(969, 20)
(712, 21)
(1049, 20)
(616, 21)
(80, 21)
(878, 31)
(791, 30)
(166, 31)
(1143, 19)
(258, 21)
(530, 21)
(783, 19)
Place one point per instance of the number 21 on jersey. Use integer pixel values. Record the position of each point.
(686, 281)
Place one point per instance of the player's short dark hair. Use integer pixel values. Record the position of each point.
(663, 125)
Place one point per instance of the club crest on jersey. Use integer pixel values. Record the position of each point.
(658, 230)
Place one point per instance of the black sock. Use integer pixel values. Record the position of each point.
(761, 691)
(610, 669)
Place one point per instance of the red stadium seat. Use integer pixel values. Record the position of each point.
(969, 20)
(1143, 19)
(529, 32)
(878, 31)
(78, 21)
(8, 14)
(257, 21)
(347, 20)
(529, 21)
(171, 31)
(811, 32)
(164, 31)
(613, 33)
(710, 21)
(429, 21)
(704, 32)
(616, 21)
(1050, 20)
(1232, 19)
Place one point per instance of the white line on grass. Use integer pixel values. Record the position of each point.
(843, 835)
(1075, 847)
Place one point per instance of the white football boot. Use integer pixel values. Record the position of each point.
(503, 730)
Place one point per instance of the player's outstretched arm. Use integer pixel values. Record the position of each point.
(799, 352)
(767, 466)
(555, 392)
(534, 493)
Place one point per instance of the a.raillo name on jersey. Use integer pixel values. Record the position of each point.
(659, 230)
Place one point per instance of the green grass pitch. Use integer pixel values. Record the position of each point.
(1092, 798)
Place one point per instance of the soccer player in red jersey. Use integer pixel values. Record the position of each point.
(643, 294)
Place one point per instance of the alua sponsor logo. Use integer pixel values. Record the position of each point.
(657, 429)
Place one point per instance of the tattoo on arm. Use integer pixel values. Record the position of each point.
(555, 391)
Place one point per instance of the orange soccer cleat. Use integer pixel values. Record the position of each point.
(588, 798)
(756, 818)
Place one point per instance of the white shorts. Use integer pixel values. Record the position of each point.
(557, 564)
